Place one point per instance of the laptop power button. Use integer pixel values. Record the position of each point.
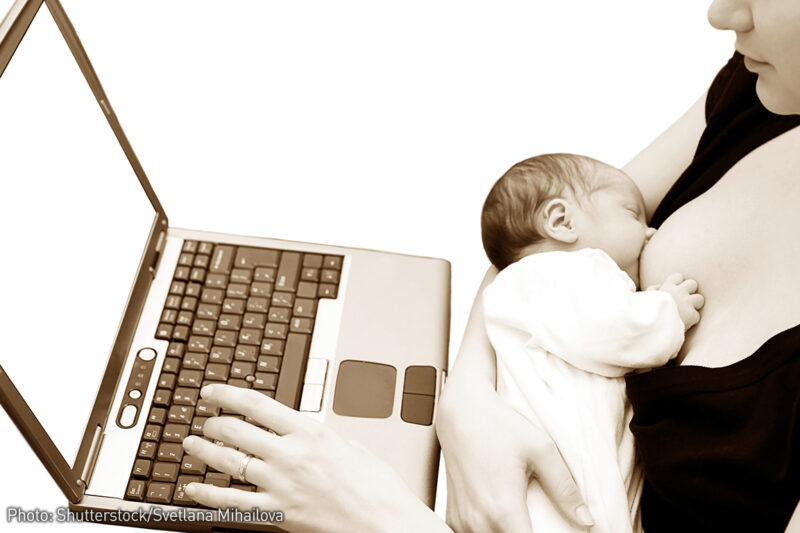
(128, 416)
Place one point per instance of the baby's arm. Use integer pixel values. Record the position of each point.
(582, 308)
(688, 300)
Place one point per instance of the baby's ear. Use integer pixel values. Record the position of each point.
(558, 221)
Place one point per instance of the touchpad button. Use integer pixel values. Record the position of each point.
(364, 389)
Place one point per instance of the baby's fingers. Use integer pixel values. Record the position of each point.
(689, 285)
(697, 300)
(674, 278)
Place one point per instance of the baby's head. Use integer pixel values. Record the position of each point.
(564, 202)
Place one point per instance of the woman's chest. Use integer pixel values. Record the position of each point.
(741, 242)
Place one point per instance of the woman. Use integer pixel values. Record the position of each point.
(727, 222)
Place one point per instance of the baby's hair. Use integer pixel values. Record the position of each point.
(510, 217)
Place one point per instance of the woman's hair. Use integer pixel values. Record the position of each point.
(511, 219)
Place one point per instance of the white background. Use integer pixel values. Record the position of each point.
(384, 123)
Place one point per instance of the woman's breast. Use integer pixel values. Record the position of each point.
(740, 242)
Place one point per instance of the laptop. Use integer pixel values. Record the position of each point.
(116, 306)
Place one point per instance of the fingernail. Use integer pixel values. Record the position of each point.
(207, 391)
(188, 442)
(584, 515)
(190, 490)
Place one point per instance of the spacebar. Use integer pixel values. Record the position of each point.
(293, 367)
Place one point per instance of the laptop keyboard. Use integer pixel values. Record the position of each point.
(237, 315)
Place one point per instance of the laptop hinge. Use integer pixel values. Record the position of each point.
(157, 256)
(91, 459)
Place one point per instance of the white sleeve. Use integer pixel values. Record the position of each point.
(582, 308)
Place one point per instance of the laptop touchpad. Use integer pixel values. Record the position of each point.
(364, 389)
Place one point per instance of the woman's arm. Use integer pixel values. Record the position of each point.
(657, 167)
(490, 450)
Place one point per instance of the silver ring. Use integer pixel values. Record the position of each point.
(243, 467)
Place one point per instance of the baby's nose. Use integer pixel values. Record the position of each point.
(649, 232)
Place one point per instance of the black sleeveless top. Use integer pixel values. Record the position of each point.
(721, 446)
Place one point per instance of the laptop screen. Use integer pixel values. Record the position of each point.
(74, 223)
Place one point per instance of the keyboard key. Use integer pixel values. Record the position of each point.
(152, 432)
(180, 333)
(189, 304)
(157, 415)
(261, 288)
(217, 281)
(176, 432)
(198, 275)
(330, 276)
(218, 479)
(241, 383)
(186, 259)
(189, 246)
(283, 299)
(275, 331)
(162, 397)
(173, 302)
(185, 396)
(204, 327)
(225, 338)
(207, 310)
(175, 349)
(172, 364)
(292, 370)
(164, 331)
(221, 354)
(229, 321)
(302, 325)
(166, 381)
(326, 290)
(269, 363)
(195, 361)
(193, 465)
(305, 308)
(180, 414)
(265, 380)
(280, 314)
(201, 261)
(199, 343)
(212, 296)
(169, 316)
(205, 408)
(272, 347)
(332, 261)
(217, 372)
(185, 318)
(147, 449)
(135, 490)
(180, 497)
(310, 274)
(222, 259)
(193, 289)
(205, 248)
(255, 257)
(254, 320)
(242, 369)
(237, 290)
(241, 275)
(159, 492)
(245, 352)
(182, 273)
(257, 304)
(165, 472)
(233, 306)
(264, 274)
(307, 289)
(142, 467)
(250, 336)
(312, 260)
(197, 424)
(190, 378)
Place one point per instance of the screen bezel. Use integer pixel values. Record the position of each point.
(12, 30)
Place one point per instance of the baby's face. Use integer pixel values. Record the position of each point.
(612, 219)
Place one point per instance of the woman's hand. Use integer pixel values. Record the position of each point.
(320, 482)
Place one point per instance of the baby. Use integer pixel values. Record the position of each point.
(567, 322)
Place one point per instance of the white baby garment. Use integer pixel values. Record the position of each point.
(566, 326)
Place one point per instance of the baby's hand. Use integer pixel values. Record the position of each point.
(686, 296)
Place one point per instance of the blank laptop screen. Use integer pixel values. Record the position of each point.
(74, 223)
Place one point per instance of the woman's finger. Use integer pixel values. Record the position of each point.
(556, 480)
(226, 498)
(242, 435)
(263, 409)
(226, 460)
